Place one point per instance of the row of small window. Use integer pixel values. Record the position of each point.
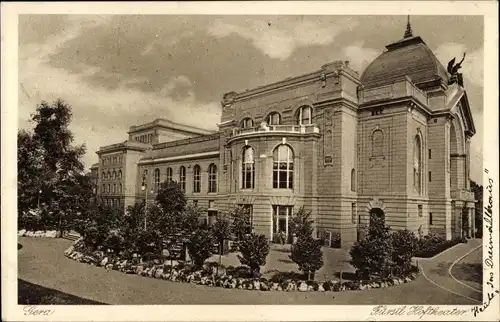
(115, 203)
(112, 188)
(112, 160)
(282, 167)
(302, 117)
(111, 175)
(146, 138)
(212, 178)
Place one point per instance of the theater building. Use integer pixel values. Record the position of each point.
(392, 142)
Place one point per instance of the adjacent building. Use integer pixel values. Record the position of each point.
(392, 142)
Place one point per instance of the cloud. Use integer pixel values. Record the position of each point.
(472, 67)
(280, 39)
(359, 56)
(101, 115)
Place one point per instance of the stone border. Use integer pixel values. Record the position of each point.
(38, 233)
(203, 277)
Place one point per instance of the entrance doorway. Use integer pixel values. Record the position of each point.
(280, 217)
(376, 213)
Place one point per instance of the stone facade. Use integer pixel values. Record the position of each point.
(392, 142)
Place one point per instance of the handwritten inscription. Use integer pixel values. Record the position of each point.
(34, 310)
(488, 261)
(417, 311)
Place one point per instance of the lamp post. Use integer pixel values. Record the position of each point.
(38, 202)
(144, 188)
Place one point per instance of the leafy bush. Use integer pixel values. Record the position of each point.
(307, 254)
(114, 241)
(431, 245)
(200, 246)
(147, 242)
(404, 243)
(254, 250)
(372, 256)
(241, 224)
(301, 223)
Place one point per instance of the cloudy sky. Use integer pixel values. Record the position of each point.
(118, 71)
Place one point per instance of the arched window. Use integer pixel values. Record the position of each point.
(353, 180)
(120, 188)
(248, 168)
(182, 177)
(196, 178)
(114, 188)
(283, 167)
(377, 143)
(246, 123)
(273, 118)
(212, 178)
(103, 175)
(157, 178)
(114, 174)
(417, 164)
(109, 175)
(169, 174)
(109, 188)
(304, 115)
(119, 174)
(103, 188)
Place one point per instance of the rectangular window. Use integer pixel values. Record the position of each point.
(430, 154)
(420, 212)
(430, 176)
(430, 218)
(353, 213)
(211, 204)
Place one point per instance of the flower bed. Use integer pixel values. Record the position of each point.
(230, 277)
(431, 245)
(39, 233)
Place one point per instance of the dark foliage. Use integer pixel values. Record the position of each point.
(254, 250)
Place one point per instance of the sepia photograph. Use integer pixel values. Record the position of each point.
(173, 158)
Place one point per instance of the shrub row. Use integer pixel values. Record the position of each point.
(431, 245)
(230, 277)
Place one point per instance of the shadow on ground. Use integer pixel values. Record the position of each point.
(29, 293)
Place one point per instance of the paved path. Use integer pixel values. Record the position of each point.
(41, 261)
(438, 270)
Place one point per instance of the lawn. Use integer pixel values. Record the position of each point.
(469, 270)
(29, 293)
(335, 261)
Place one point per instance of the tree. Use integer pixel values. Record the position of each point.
(50, 170)
(301, 223)
(241, 224)
(404, 245)
(307, 254)
(221, 230)
(171, 198)
(200, 246)
(29, 172)
(254, 250)
(373, 254)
